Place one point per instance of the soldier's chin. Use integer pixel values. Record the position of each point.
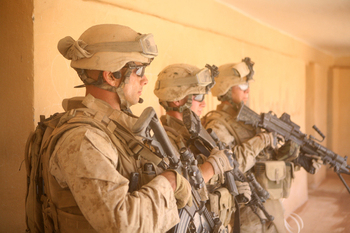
(133, 101)
(198, 113)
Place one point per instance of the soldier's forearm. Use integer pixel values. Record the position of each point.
(207, 171)
(171, 177)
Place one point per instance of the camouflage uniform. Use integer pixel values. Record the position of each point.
(89, 177)
(246, 150)
(225, 206)
(88, 156)
(174, 84)
(249, 144)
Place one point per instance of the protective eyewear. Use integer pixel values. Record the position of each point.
(201, 78)
(138, 69)
(199, 97)
(244, 86)
(143, 44)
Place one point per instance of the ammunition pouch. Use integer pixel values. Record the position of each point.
(222, 203)
(275, 176)
(148, 173)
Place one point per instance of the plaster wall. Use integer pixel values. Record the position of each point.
(16, 118)
(317, 111)
(183, 35)
(194, 32)
(341, 110)
(339, 107)
(342, 62)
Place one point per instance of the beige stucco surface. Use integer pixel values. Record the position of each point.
(16, 114)
(317, 110)
(290, 76)
(341, 110)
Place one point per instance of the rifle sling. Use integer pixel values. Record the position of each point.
(237, 220)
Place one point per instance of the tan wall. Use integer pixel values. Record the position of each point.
(316, 111)
(182, 35)
(341, 110)
(342, 62)
(16, 118)
(194, 32)
(339, 106)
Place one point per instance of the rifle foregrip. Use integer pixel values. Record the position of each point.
(260, 191)
(241, 199)
(230, 183)
(306, 163)
(267, 215)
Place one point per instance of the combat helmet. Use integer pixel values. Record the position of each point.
(109, 47)
(230, 75)
(177, 81)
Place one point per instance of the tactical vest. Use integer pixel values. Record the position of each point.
(221, 202)
(226, 115)
(60, 210)
(275, 176)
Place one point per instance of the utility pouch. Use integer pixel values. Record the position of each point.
(275, 176)
(148, 173)
(222, 204)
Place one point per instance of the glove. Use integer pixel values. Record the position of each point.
(182, 192)
(288, 152)
(317, 163)
(270, 139)
(309, 163)
(244, 189)
(222, 161)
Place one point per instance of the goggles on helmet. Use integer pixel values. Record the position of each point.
(199, 97)
(243, 86)
(202, 78)
(143, 44)
(241, 70)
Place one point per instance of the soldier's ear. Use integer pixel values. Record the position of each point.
(109, 78)
(174, 103)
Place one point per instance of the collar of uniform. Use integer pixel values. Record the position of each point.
(122, 118)
(228, 108)
(97, 104)
(73, 103)
(177, 125)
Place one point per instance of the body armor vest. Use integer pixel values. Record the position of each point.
(220, 202)
(60, 210)
(264, 169)
(226, 115)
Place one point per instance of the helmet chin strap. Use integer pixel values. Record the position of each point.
(180, 109)
(100, 83)
(228, 97)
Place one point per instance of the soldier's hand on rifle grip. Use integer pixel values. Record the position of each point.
(222, 161)
(269, 139)
(317, 164)
(306, 162)
(182, 191)
(288, 152)
(245, 194)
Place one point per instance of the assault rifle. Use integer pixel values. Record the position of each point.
(309, 148)
(206, 140)
(196, 218)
